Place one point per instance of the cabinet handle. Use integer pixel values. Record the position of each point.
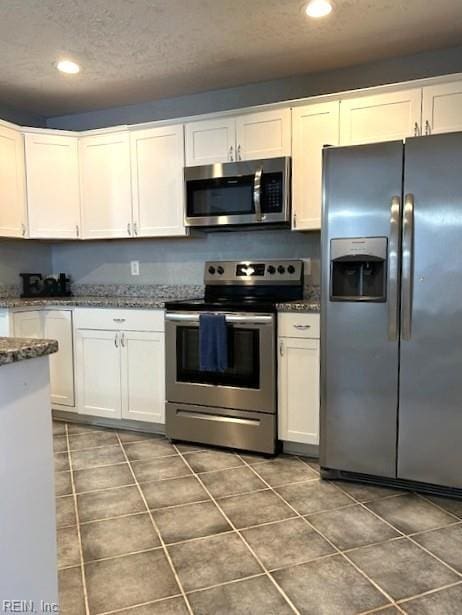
(302, 327)
(281, 348)
(416, 129)
(122, 340)
(238, 152)
(23, 230)
(129, 230)
(135, 228)
(116, 340)
(295, 219)
(119, 319)
(77, 230)
(231, 150)
(428, 130)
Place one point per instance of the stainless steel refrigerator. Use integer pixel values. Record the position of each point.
(391, 316)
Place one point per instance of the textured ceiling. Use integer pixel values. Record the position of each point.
(137, 50)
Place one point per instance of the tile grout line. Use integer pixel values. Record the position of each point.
(363, 574)
(404, 601)
(77, 518)
(141, 604)
(156, 529)
(424, 497)
(411, 535)
(242, 538)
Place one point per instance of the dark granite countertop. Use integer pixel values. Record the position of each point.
(309, 306)
(14, 349)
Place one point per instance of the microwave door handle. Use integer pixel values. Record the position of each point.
(257, 193)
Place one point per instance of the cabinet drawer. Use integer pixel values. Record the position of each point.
(298, 325)
(119, 319)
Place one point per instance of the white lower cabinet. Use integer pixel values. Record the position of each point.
(143, 376)
(57, 325)
(298, 379)
(119, 372)
(98, 374)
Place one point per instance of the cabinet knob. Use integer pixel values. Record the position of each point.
(428, 129)
(416, 129)
(238, 153)
(23, 230)
(129, 230)
(77, 230)
(231, 152)
(135, 228)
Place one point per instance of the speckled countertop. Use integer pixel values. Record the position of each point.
(14, 349)
(153, 303)
(310, 306)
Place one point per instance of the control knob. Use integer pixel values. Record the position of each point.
(271, 269)
(211, 269)
(281, 269)
(220, 270)
(291, 269)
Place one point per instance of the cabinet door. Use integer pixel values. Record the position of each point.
(383, 117)
(143, 376)
(442, 108)
(210, 141)
(299, 390)
(157, 157)
(98, 375)
(12, 184)
(28, 324)
(263, 135)
(313, 126)
(53, 192)
(105, 185)
(57, 325)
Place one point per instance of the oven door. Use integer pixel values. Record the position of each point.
(249, 381)
(245, 192)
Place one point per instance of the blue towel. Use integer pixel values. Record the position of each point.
(213, 342)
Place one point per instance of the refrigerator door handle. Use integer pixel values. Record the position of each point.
(407, 270)
(393, 268)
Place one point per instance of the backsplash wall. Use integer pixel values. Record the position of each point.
(22, 257)
(177, 261)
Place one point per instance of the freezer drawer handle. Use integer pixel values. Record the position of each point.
(393, 268)
(216, 417)
(407, 272)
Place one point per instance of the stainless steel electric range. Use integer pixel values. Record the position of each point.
(236, 407)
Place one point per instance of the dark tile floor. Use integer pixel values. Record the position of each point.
(148, 528)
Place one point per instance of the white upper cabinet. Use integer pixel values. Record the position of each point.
(53, 192)
(263, 135)
(246, 137)
(157, 157)
(210, 141)
(106, 185)
(313, 126)
(442, 108)
(13, 218)
(383, 117)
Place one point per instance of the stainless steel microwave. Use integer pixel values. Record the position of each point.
(238, 193)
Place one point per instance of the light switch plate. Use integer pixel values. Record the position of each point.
(135, 267)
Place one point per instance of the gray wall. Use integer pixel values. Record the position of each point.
(428, 64)
(23, 118)
(23, 257)
(175, 261)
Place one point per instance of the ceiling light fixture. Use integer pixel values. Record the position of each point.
(318, 8)
(68, 66)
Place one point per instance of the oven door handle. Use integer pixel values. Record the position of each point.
(257, 194)
(256, 319)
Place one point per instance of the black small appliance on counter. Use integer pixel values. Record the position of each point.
(34, 285)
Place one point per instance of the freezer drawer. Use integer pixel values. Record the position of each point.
(239, 429)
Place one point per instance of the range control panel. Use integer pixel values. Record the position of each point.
(254, 272)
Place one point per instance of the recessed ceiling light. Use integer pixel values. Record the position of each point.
(67, 66)
(318, 8)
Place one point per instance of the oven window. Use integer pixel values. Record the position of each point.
(243, 359)
(227, 196)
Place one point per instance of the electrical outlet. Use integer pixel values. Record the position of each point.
(135, 267)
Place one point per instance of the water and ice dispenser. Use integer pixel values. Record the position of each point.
(358, 269)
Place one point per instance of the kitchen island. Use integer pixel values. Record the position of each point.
(28, 564)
